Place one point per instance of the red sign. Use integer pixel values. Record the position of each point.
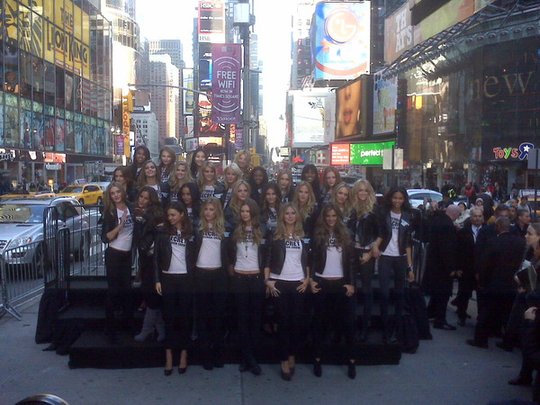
(340, 154)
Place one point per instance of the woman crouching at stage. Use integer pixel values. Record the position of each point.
(174, 262)
(246, 262)
(333, 285)
(287, 278)
(211, 283)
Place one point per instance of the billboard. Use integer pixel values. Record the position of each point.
(211, 21)
(348, 110)
(226, 74)
(340, 154)
(206, 126)
(369, 154)
(188, 96)
(398, 33)
(341, 40)
(384, 104)
(309, 118)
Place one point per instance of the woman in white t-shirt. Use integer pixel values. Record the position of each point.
(333, 285)
(208, 182)
(394, 246)
(150, 177)
(211, 282)
(173, 266)
(245, 267)
(240, 193)
(117, 231)
(287, 277)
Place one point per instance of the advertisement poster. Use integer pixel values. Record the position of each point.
(79, 136)
(189, 99)
(342, 40)
(384, 104)
(37, 131)
(206, 126)
(211, 21)
(348, 114)
(340, 154)
(60, 135)
(308, 119)
(226, 67)
(369, 154)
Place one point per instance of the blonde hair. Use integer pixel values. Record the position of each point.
(219, 222)
(235, 203)
(281, 230)
(309, 207)
(202, 180)
(233, 167)
(363, 207)
(348, 205)
(176, 183)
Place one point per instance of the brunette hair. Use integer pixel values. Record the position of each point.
(126, 172)
(265, 207)
(340, 231)
(315, 185)
(187, 229)
(219, 223)
(281, 230)
(143, 180)
(162, 167)
(239, 233)
(146, 153)
(194, 191)
(388, 199)
(193, 168)
(327, 170)
(154, 211)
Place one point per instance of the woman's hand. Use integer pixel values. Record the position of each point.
(349, 290)
(366, 256)
(303, 287)
(314, 286)
(158, 288)
(530, 314)
(375, 252)
(271, 289)
(410, 276)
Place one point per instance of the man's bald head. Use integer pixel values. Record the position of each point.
(453, 212)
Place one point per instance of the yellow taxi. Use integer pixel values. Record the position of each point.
(88, 194)
(25, 194)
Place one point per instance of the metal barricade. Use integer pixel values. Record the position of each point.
(419, 251)
(22, 271)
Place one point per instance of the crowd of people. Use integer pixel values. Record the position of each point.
(298, 250)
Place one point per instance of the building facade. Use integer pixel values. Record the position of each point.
(55, 103)
(146, 128)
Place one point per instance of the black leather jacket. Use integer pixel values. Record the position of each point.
(163, 253)
(109, 221)
(404, 232)
(275, 256)
(347, 260)
(367, 229)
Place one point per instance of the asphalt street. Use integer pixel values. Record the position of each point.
(444, 371)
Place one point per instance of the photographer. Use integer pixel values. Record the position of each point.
(531, 347)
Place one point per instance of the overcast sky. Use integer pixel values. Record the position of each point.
(172, 19)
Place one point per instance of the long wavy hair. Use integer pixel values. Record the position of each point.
(154, 212)
(265, 207)
(367, 206)
(347, 209)
(281, 230)
(187, 229)
(109, 205)
(177, 183)
(219, 222)
(166, 169)
(283, 172)
(193, 168)
(146, 154)
(240, 232)
(323, 231)
(327, 170)
(126, 173)
(309, 207)
(143, 180)
(315, 185)
(235, 201)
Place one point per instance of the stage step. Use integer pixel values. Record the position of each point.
(93, 350)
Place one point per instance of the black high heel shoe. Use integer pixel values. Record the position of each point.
(317, 368)
(167, 372)
(182, 370)
(351, 371)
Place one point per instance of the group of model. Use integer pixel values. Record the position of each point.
(266, 243)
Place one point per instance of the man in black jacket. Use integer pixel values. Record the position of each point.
(496, 287)
(441, 263)
(466, 242)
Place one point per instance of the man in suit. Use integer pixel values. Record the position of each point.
(496, 288)
(441, 263)
(466, 242)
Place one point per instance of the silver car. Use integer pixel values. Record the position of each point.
(418, 196)
(22, 223)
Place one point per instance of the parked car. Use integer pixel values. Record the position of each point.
(417, 196)
(22, 224)
(89, 194)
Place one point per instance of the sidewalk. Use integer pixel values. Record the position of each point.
(444, 371)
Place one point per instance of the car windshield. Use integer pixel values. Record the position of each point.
(21, 213)
(72, 189)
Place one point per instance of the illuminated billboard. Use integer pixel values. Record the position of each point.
(309, 118)
(340, 154)
(211, 21)
(341, 40)
(348, 110)
(384, 104)
(369, 154)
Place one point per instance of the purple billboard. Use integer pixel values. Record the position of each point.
(226, 67)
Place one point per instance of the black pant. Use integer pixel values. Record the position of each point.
(388, 266)
(211, 297)
(249, 295)
(515, 320)
(148, 284)
(466, 286)
(289, 306)
(333, 308)
(118, 301)
(366, 275)
(177, 290)
(438, 303)
(494, 310)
